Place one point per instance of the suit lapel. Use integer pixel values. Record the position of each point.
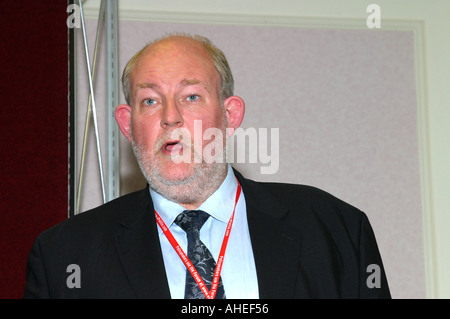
(140, 251)
(275, 243)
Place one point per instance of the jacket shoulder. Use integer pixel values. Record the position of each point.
(101, 219)
(311, 198)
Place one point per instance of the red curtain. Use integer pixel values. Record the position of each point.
(33, 130)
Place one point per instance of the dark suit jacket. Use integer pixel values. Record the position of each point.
(306, 244)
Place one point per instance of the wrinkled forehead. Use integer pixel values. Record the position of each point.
(175, 51)
(172, 56)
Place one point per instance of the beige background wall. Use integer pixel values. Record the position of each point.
(356, 108)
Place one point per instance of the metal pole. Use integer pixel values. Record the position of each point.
(94, 110)
(100, 22)
(112, 81)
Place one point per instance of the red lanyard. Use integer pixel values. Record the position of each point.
(209, 294)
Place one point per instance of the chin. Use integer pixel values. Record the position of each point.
(180, 182)
(174, 179)
(193, 184)
(177, 173)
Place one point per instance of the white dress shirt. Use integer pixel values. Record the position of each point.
(238, 271)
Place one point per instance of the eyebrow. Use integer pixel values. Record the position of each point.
(187, 82)
(184, 82)
(146, 85)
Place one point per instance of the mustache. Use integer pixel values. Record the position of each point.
(176, 138)
(168, 139)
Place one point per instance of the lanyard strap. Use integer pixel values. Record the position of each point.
(215, 282)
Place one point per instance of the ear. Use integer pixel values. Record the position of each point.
(123, 118)
(234, 110)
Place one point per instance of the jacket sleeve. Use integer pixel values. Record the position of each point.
(36, 282)
(373, 280)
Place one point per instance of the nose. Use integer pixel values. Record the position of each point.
(171, 116)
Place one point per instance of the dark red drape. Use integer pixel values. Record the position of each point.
(33, 130)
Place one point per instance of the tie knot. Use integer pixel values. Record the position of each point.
(191, 220)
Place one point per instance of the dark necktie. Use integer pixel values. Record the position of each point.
(191, 221)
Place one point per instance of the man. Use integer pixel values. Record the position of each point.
(266, 240)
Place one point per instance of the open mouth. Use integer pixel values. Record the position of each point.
(172, 146)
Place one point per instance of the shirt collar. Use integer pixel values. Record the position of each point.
(219, 205)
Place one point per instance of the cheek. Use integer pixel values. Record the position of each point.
(143, 133)
(210, 125)
(213, 118)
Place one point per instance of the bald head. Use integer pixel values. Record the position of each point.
(188, 45)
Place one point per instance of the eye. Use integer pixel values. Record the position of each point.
(192, 98)
(149, 102)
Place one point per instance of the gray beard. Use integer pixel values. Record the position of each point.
(195, 189)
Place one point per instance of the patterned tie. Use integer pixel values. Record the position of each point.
(191, 221)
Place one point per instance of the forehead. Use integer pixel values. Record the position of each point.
(167, 59)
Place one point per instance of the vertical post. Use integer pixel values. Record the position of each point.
(72, 120)
(112, 79)
(94, 109)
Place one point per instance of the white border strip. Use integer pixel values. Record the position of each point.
(423, 130)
